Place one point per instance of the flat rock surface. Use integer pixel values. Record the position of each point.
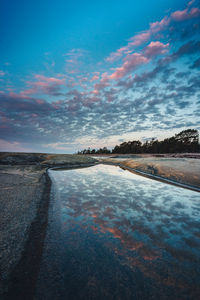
(21, 191)
(178, 169)
(44, 159)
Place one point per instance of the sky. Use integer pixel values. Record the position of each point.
(79, 74)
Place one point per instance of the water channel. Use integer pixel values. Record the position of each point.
(116, 235)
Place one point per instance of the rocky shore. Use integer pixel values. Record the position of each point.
(24, 200)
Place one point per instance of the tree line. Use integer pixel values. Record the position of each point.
(185, 141)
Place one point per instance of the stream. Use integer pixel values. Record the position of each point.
(115, 235)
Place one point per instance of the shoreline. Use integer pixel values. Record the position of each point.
(181, 171)
(154, 177)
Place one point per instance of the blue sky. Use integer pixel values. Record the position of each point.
(96, 73)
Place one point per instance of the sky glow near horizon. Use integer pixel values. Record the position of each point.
(95, 74)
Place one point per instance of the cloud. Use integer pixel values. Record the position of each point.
(108, 104)
(155, 48)
(45, 85)
(191, 2)
(75, 60)
(2, 73)
(159, 25)
(60, 146)
(17, 103)
(50, 80)
(82, 116)
(102, 84)
(137, 40)
(74, 56)
(154, 28)
(186, 14)
(142, 79)
(135, 60)
(95, 77)
(196, 64)
(12, 146)
(190, 47)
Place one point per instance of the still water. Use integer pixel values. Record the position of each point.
(115, 235)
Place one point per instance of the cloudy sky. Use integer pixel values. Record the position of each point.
(93, 73)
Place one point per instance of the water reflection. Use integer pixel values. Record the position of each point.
(120, 236)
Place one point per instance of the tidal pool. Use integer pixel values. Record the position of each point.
(116, 235)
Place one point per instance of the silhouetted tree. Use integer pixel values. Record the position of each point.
(185, 141)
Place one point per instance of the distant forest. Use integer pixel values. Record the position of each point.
(185, 141)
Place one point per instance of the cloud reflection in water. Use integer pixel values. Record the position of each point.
(150, 229)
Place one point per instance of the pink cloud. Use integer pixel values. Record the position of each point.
(72, 61)
(116, 55)
(95, 77)
(154, 28)
(155, 48)
(44, 84)
(133, 61)
(12, 146)
(2, 73)
(21, 95)
(102, 84)
(136, 40)
(41, 84)
(40, 101)
(186, 14)
(159, 25)
(74, 58)
(28, 92)
(139, 39)
(95, 92)
(191, 2)
(50, 79)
